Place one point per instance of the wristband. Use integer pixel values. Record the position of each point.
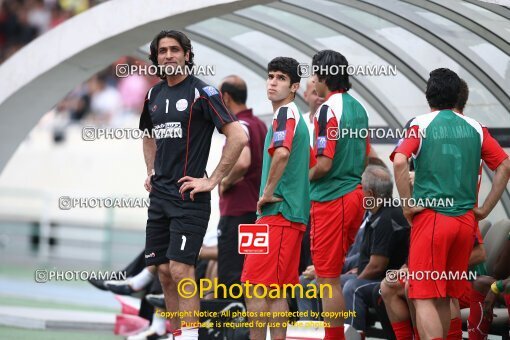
(500, 286)
(494, 288)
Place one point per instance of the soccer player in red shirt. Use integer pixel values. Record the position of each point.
(441, 236)
(335, 183)
(284, 203)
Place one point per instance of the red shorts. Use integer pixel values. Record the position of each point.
(440, 245)
(280, 266)
(465, 297)
(334, 227)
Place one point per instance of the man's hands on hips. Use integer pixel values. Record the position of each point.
(409, 213)
(196, 185)
(265, 199)
(480, 213)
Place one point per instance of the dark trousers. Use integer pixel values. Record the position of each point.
(230, 262)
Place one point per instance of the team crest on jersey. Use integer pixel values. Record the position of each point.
(154, 108)
(321, 142)
(279, 136)
(210, 90)
(181, 105)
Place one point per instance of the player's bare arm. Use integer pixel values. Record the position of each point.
(238, 170)
(149, 154)
(278, 164)
(498, 186)
(236, 141)
(401, 170)
(321, 169)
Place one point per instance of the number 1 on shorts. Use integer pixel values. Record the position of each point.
(183, 242)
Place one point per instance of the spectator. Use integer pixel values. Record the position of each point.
(314, 101)
(239, 190)
(132, 90)
(384, 245)
(105, 102)
(38, 16)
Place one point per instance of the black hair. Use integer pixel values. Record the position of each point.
(463, 95)
(288, 66)
(442, 89)
(181, 38)
(322, 63)
(236, 90)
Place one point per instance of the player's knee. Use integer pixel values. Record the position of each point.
(164, 273)
(180, 271)
(482, 284)
(390, 289)
(387, 290)
(163, 269)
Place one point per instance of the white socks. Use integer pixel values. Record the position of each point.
(141, 280)
(158, 324)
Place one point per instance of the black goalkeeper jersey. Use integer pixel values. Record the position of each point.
(182, 119)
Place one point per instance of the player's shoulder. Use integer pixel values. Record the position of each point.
(154, 90)
(323, 108)
(289, 111)
(203, 88)
(471, 121)
(476, 125)
(423, 120)
(337, 103)
(334, 100)
(324, 111)
(354, 101)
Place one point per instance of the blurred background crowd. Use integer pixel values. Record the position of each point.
(104, 100)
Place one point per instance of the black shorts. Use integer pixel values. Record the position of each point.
(230, 262)
(175, 230)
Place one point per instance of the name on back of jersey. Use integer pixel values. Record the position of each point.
(168, 130)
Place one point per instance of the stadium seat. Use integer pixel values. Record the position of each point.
(484, 226)
(494, 240)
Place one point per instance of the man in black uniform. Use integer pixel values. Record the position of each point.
(182, 112)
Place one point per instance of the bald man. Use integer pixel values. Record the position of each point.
(314, 101)
(239, 190)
